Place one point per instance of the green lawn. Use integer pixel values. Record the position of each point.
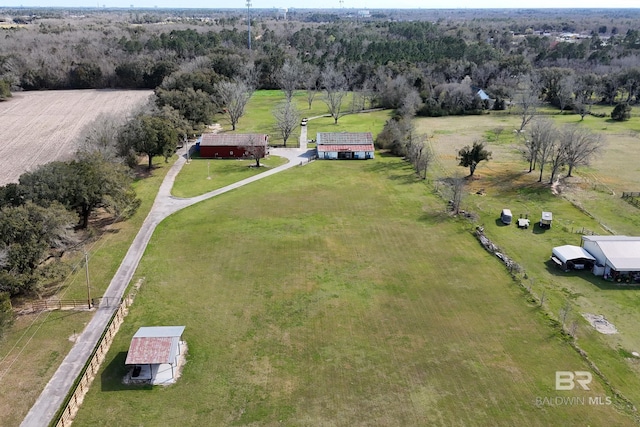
(338, 294)
(200, 175)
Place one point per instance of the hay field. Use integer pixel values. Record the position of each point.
(38, 127)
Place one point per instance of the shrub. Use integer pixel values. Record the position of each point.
(621, 112)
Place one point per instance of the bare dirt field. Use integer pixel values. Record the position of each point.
(39, 127)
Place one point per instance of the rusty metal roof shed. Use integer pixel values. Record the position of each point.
(155, 345)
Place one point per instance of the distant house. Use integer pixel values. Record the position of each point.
(153, 354)
(345, 145)
(486, 99)
(232, 145)
(617, 257)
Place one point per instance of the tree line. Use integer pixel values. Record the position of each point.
(63, 53)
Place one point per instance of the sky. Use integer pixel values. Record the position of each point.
(347, 4)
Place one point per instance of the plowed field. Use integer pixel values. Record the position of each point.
(39, 127)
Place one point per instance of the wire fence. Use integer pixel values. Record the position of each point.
(632, 198)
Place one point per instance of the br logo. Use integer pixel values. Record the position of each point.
(566, 380)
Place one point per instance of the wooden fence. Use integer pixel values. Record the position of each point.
(77, 393)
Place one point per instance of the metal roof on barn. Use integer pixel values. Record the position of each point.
(622, 252)
(344, 138)
(154, 345)
(356, 147)
(232, 139)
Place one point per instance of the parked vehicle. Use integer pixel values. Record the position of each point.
(304, 122)
(545, 221)
(506, 216)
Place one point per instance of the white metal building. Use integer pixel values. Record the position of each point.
(617, 256)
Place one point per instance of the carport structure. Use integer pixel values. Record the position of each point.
(154, 353)
(570, 257)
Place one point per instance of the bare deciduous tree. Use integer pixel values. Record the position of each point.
(232, 97)
(287, 119)
(527, 101)
(410, 103)
(288, 78)
(566, 87)
(101, 136)
(585, 90)
(255, 149)
(557, 156)
(311, 75)
(335, 90)
(456, 190)
(530, 150)
(368, 93)
(544, 135)
(419, 154)
(580, 145)
(563, 314)
(484, 73)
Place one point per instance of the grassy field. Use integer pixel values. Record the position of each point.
(341, 293)
(505, 183)
(338, 294)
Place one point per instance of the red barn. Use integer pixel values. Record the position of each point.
(233, 145)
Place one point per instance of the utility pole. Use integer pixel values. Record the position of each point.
(86, 270)
(249, 21)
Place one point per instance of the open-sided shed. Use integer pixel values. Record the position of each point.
(570, 257)
(154, 352)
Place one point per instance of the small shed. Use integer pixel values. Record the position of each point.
(153, 353)
(344, 145)
(570, 257)
(232, 145)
